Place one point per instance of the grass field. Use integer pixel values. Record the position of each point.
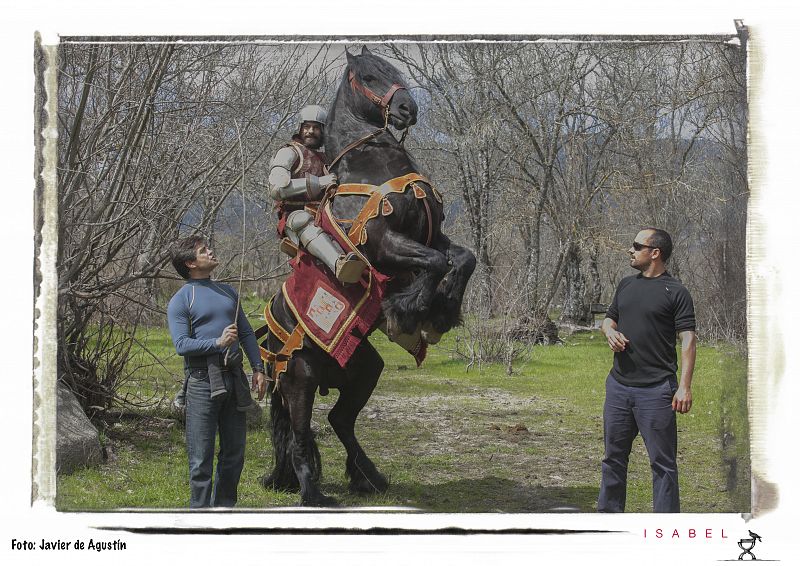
(452, 440)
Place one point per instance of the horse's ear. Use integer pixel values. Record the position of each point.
(350, 58)
(365, 51)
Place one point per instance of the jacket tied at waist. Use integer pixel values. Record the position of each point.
(216, 365)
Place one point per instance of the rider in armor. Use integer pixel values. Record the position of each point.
(297, 181)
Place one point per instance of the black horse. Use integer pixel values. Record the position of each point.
(429, 275)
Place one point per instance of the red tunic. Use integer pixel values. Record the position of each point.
(308, 161)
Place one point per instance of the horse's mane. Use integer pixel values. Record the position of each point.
(367, 62)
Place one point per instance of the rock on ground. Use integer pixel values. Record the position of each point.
(77, 440)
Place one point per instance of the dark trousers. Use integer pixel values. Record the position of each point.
(627, 412)
(204, 418)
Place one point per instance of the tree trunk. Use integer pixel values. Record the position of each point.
(576, 310)
(596, 291)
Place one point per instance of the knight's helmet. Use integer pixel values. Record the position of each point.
(312, 113)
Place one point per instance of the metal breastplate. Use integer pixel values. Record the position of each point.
(311, 162)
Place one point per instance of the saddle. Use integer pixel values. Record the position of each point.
(377, 203)
(334, 316)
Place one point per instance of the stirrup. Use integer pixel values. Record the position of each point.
(349, 268)
(288, 247)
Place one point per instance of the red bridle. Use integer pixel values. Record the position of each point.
(381, 101)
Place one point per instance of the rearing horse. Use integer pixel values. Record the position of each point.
(428, 274)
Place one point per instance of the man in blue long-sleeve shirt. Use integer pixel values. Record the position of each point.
(201, 323)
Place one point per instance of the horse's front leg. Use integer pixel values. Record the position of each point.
(408, 308)
(446, 306)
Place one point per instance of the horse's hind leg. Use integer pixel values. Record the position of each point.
(283, 477)
(363, 371)
(299, 387)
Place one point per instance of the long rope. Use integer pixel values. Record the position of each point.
(244, 240)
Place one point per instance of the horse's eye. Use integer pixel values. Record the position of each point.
(369, 78)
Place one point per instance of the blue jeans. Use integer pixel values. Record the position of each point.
(627, 412)
(204, 417)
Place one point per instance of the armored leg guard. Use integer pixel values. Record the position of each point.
(347, 267)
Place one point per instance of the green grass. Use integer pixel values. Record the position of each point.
(453, 440)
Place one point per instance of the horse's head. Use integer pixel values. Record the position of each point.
(378, 87)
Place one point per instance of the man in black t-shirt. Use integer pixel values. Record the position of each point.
(642, 391)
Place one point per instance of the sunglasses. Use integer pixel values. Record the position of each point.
(638, 247)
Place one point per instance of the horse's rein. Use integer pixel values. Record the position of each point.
(363, 140)
(382, 102)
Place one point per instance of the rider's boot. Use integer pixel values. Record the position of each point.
(288, 247)
(347, 267)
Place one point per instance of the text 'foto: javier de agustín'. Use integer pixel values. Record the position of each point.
(78, 544)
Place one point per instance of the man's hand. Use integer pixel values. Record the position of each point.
(682, 400)
(327, 180)
(229, 336)
(259, 384)
(616, 340)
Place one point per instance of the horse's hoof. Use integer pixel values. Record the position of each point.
(268, 483)
(430, 335)
(272, 483)
(392, 328)
(320, 501)
(371, 486)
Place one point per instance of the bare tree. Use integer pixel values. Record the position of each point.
(463, 131)
(562, 151)
(156, 140)
(550, 157)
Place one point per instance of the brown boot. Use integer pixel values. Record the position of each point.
(349, 268)
(288, 247)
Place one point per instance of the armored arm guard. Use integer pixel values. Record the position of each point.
(281, 184)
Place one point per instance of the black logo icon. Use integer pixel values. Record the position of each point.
(747, 545)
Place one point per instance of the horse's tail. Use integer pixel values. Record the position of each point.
(282, 476)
